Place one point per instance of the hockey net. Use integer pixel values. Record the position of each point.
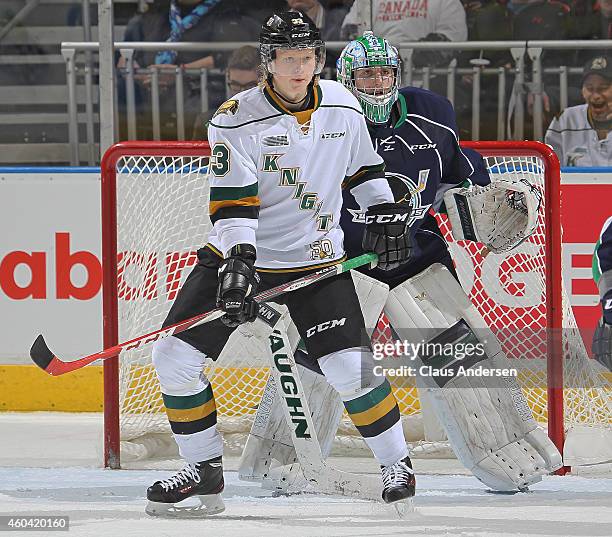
(155, 199)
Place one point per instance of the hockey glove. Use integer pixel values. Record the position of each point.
(238, 281)
(602, 338)
(387, 234)
(501, 215)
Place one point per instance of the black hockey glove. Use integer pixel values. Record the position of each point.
(602, 338)
(238, 282)
(387, 234)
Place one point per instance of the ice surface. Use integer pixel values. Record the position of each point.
(49, 465)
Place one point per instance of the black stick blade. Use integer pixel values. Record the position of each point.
(40, 353)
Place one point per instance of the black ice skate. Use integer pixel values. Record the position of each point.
(399, 482)
(202, 481)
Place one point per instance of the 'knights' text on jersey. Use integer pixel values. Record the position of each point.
(276, 178)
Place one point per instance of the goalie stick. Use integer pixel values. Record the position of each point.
(44, 358)
(317, 472)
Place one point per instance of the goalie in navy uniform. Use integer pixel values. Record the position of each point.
(489, 425)
(280, 155)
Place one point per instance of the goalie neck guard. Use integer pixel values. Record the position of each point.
(289, 30)
(369, 52)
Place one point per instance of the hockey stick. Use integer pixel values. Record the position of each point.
(317, 471)
(49, 362)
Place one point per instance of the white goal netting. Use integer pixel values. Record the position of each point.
(162, 206)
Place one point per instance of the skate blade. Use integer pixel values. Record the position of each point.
(404, 508)
(194, 507)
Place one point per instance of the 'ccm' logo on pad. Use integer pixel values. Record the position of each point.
(325, 326)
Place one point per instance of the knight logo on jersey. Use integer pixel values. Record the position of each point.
(228, 107)
(404, 189)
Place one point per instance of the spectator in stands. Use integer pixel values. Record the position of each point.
(405, 20)
(605, 22)
(242, 73)
(192, 21)
(327, 18)
(581, 134)
(188, 21)
(516, 20)
(539, 19)
(488, 20)
(590, 19)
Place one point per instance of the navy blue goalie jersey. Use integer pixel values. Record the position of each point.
(423, 160)
(602, 260)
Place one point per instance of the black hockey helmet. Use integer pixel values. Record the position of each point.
(290, 30)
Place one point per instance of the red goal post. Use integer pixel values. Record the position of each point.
(122, 157)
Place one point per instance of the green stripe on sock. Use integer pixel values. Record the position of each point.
(381, 425)
(192, 427)
(368, 400)
(188, 401)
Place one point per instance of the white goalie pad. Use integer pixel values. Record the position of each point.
(299, 419)
(486, 417)
(269, 455)
(372, 296)
(501, 215)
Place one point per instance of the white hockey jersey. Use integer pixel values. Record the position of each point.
(575, 141)
(276, 178)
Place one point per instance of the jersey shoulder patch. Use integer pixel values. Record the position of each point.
(229, 107)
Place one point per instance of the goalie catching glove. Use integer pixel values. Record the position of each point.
(501, 215)
(387, 234)
(238, 281)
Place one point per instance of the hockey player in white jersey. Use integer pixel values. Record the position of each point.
(488, 423)
(280, 155)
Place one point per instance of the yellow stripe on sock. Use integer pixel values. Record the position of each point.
(379, 410)
(191, 414)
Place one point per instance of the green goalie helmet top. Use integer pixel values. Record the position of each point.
(370, 68)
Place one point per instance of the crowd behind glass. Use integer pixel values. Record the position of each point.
(238, 21)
